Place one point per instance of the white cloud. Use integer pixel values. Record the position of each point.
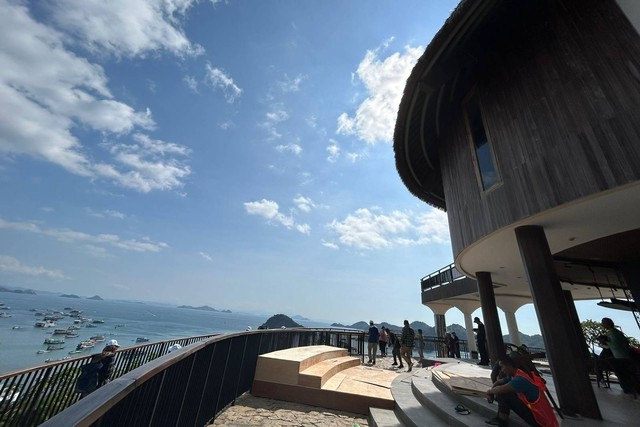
(367, 230)
(126, 28)
(150, 164)
(276, 115)
(293, 148)
(305, 204)
(384, 80)
(217, 79)
(57, 91)
(270, 210)
(106, 213)
(228, 124)
(353, 157)
(205, 256)
(100, 240)
(334, 151)
(10, 264)
(330, 245)
(191, 83)
(291, 84)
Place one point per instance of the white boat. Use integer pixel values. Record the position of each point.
(45, 324)
(4, 315)
(53, 341)
(142, 339)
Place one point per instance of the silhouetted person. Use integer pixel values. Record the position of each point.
(406, 341)
(481, 338)
(374, 334)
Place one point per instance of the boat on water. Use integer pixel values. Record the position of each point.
(53, 341)
(4, 315)
(97, 321)
(53, 347)
(97, 338)
(90, 325)
(56, 360)
(45, 324)
(71, 334)
(142, 339)
(42, 351)
(60, 332)
(17, 327)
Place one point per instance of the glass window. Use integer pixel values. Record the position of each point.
(482, 148)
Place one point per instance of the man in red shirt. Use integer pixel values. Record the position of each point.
(522, 393)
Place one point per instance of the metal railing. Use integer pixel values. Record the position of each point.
(441, 277)
(152, 388)
(30, 396)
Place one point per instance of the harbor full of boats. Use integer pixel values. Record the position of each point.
(65, 331)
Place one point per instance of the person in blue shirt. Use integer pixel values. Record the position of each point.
(374, 335)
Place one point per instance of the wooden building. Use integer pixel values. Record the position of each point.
(522, 121)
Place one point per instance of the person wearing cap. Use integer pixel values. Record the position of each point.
(374, 335)
(107, 358)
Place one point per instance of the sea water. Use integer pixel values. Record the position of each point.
(124, 321)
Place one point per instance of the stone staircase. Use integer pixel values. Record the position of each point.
(322, 376)
(423, 401)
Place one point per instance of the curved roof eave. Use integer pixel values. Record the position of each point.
(422, 176)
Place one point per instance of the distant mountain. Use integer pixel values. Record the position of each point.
(18, 291)
(278, 321)
(226, 311)
(96, 297)
(298, 317)
(69, 296)
(202, 307)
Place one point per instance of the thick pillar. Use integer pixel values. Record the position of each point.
(568, 367)
(575, 319)
(495, 344)
(631, 274)
(441, 329)
(512, 326)
(471, 339)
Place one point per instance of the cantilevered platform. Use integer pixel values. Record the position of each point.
(323, 376)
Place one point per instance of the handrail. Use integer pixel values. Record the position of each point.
(186, 387)
(441, 277)
(30, 396)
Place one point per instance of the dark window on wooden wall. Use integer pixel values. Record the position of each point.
(484, 160)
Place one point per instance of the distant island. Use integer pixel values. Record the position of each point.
(279, 321)
(18, 291)
(204, 308)
(96, 297)
(69, 296)
(299, 317)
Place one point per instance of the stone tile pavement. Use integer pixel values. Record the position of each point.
(255, 411)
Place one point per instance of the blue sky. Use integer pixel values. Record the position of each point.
(230, 153)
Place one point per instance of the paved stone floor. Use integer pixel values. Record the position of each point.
(255, 411)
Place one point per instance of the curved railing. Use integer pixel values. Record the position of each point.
(152, 388)
(30, 396)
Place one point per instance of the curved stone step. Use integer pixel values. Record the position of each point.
(383, 418)
(317, 375)
(408, 409)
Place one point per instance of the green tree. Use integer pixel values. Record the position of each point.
(592, 330)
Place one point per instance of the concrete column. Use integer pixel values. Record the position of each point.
(568, 367)
(441, 329)
(512, 326)
(631, 274)
(471, 338)
(495, 344)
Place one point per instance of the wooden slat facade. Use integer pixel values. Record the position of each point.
(561, 104)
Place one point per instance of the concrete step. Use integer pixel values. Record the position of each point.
(408, 409)
(477, 405)
(317, 375)
(443, 404)
(383, 418)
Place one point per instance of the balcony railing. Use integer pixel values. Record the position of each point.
(152, 388)
(441, 277)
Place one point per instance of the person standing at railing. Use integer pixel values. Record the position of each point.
(374, 335)
(456, 345)
(406, 341)
(108, 360)
(420, 345)
(384, 337)
(481, 337)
